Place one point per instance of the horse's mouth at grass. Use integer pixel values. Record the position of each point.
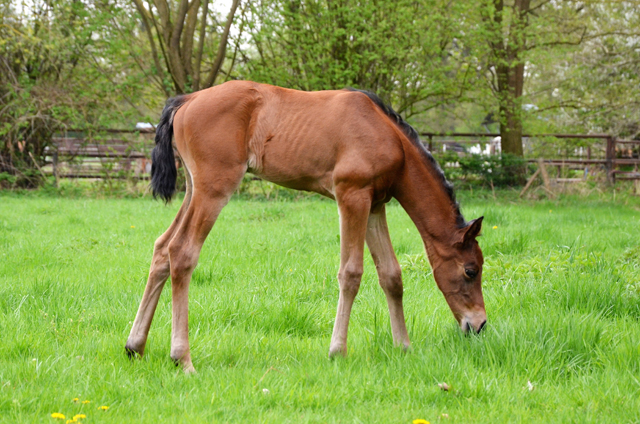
(468, 328)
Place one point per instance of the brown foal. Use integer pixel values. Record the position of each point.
(346, 145)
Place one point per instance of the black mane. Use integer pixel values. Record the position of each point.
(414, 137)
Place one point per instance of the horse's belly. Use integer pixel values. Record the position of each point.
(295, 178)
(301, 162)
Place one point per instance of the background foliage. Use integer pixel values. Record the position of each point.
(405, 51)
(506, 65)
(63, 64)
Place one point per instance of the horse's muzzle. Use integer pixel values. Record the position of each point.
(474, 322)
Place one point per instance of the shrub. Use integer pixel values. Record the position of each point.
(503, 170)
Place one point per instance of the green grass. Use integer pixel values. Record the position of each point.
(561, 285)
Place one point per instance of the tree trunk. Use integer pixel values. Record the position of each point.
(507, 51)
(181, 34)
(511, 133)
(510, 81)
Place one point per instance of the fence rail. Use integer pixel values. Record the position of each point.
(78, 156)
(613, 158)
(82, 156)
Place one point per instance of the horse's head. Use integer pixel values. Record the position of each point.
(458, 273)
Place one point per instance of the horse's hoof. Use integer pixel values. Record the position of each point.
(189, 369)
(337, 353)
(184, 361)
(132, 353)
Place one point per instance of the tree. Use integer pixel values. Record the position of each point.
(514, 31)
(55, 75)
(38, 52)
(181, 38)
(595, 86)
(406, 51)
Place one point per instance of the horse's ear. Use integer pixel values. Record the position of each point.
(471, 231)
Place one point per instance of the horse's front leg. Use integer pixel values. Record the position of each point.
(389, 273)
(354, 207)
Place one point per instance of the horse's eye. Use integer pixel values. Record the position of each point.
(471, 273)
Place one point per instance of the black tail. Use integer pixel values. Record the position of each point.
(163, 166)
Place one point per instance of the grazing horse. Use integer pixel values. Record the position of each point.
(346, 145)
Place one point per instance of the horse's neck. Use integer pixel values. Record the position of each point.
(423, 196)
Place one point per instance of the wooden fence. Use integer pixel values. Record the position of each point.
(126, 153)
(113, 154)
(608, 152)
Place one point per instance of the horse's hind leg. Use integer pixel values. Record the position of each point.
(389, 273)
(158, 275)
(184, 250)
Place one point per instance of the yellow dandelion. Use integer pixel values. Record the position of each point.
(57, 416)
(550, 210)
(79, 417)
(495, 227)
(133, 226)
(103, 407)
(421, 421)
(84, 402)
(72, 421)
(75, 399)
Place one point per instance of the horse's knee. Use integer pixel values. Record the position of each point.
(350, 278)
(160, 260)
(183, 258)
(161, 244)
(391, 281)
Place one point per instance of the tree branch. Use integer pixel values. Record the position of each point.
(198, 63)
(165, 20)
(222, 47)
(189, 32)
(163, 46)
(237, 44)
(145, 15)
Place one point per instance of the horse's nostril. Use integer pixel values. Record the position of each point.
(482, 325)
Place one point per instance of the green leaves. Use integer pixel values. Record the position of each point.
(404, 50)
(59, 70)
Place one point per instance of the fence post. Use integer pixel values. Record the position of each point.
(431, 143)
(55, 167)
(610, 158)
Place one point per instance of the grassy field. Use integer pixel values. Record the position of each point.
(561, 284)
